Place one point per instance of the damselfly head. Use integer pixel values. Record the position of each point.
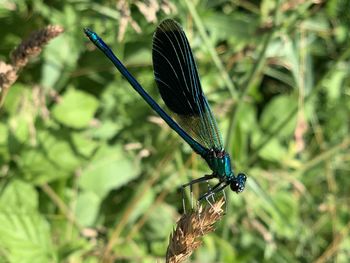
(237, 185)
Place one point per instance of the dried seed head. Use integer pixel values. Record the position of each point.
(8, 75)
(19, 57)
(33, 45)
(190, 228)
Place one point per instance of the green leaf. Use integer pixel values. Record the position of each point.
(19, 104)
(13, 98)
(84, 144)
(246, 124)
(272, 151)
(285, 217)
(39, 169)
(19, 195)
(277, 110)
(87, 207)
(228, 253)
(334, 83)
(4, 153)
(207, 253)
(160, 222)
(62, 53)
(20, 128)
(109, 169)
(24, 233)
(106, 130)
(76, 109)
(239, 27)
(52, 159)
(3, 134)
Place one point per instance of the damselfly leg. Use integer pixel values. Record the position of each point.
(217, 188)
(224, 195)
(205, 178)
(209, 190)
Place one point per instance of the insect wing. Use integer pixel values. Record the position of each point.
(178, 82)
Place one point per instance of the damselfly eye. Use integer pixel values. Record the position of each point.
(238, 184)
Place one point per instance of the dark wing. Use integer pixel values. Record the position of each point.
(177, 79)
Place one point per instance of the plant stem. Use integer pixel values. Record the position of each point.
(218, 63)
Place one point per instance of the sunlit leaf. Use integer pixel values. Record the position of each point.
(76, 109)
(109, 169)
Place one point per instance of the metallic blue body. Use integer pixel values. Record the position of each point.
(220, 163)
(217, 159)
(134, 83)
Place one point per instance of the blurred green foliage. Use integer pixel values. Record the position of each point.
(85, 163)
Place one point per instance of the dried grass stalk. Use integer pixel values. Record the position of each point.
(33, 45)
(189, 230)
(19, 58)
(8, 76)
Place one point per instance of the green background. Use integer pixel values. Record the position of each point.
(84, 162)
